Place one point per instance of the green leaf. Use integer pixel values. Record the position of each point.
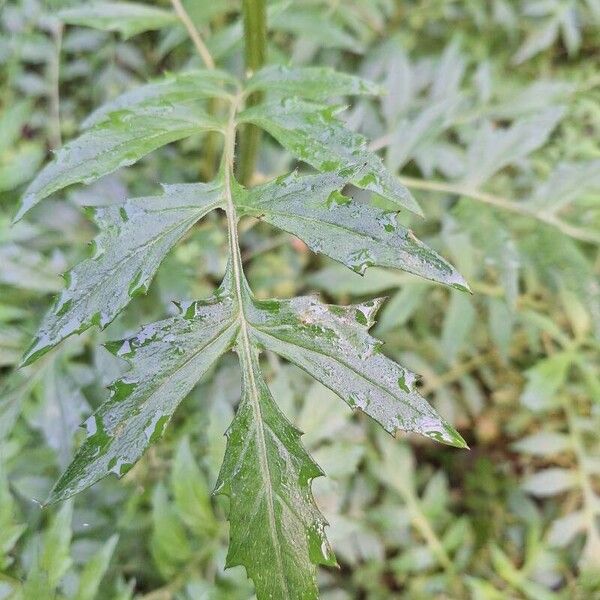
(170, 545)
(277, 532)
(332, 344)
(55, 558)
(192, 496)
(94, 570)
(494, 148)
(312, 133)
(544, 380)
(310, 83)
(550, 482)
(122, 140)
(168, 358)
(458, 322)
(544, 443)
(357, 235)
(12, 120)
(127, 18)
(134, 239)
(62, 407)
(172, 89)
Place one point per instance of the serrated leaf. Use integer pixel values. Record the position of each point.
(120, 141)
(310, 83)
(127, 18)
(134, 239)
(332, 344)
(172, 89)
(277, 532)
(312, 133)
(355, 234)
(168, 358)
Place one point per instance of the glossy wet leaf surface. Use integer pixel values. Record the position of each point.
(313, 134)
(118, 142)
(333, 345)
(310, 83)
(277, 532)
(167, 359)
(356, 234)
(176, 88)
(134, 238)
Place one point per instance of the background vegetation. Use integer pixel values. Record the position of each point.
(492, 118)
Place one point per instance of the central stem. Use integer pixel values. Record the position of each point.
(255, 51)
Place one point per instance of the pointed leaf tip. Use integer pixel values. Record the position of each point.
(446, 434)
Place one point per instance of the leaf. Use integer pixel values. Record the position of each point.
(563, 530)
(62, 407)
(544, 380)
(550, 482)
(493, 149)
(168, 358)
(543, 443)
(310, 83)
(173, 89)
(332, 344)
(134, 239)
(314, 24)
(339, 281)
(277, 532)
(191, 493)
(19, 166)
(458, 322)
(355, 234)
(170, 545)
(118, 142)
(55, 558)
(410, 134)
(14, 117)
(127, 18)
(312, 133)
(27, 269)
(94, 570)
(567, 183)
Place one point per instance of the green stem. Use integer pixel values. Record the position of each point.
(502, 203)
(255, 51)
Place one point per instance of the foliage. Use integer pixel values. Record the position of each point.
(488, 114)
